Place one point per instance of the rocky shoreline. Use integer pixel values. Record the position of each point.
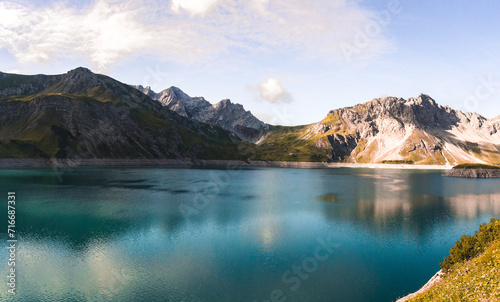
(474, 173)
(176, 163)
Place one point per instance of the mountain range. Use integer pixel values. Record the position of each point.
(230, 116)
(87, 115)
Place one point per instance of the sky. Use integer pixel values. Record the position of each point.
(287, 61)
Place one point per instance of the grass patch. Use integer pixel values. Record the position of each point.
(147, 118)
(398, 162)
(19, 149)
(476, 166)
(28, 98)
(285, 144)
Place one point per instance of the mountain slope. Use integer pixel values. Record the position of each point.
(391, 129)
(84, 115)
(230, 116)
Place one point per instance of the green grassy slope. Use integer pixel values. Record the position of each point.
(473, 269)
(286, 144)
(476, 166)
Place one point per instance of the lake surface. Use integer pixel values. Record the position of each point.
(114, 234)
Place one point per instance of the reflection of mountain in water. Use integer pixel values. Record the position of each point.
(409, 201)
(472, 206)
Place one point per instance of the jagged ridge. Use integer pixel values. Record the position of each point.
(230, 116)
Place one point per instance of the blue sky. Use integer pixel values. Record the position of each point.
(288, 61)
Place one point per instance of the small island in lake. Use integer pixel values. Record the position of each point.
(475, 171)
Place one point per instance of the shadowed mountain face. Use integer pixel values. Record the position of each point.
(395, 130)
(86, 115)
(230, 116)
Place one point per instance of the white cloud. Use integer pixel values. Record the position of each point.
(272, 91)
(194, 7)
(105, 33)
(102, 33)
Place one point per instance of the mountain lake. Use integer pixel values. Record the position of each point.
(255, 234)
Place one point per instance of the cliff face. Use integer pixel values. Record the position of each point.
(394, 129)
(84, 115)
(230, 116)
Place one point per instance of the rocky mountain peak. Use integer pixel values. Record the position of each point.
(226, 103)
(146, 90)
(176, 91)
(80, 73)
(78, 79)
(228, 115)
(80, 70)
(422, 100)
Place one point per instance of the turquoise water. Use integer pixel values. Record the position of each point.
(100, 234)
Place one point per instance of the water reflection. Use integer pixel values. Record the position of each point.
(330, 197)
(387, 195)
(474, 205)
(416, 202)
(118, 234)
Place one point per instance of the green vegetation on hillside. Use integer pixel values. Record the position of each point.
(337, 125)
(287, 144)
(300, 144)
(402, 162)
(16, 80)
(28, 98)
(470, 246)
(475, 166)
(472, 269)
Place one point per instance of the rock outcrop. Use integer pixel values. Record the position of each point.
(474, 173)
